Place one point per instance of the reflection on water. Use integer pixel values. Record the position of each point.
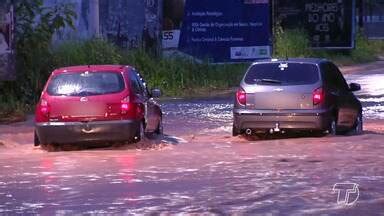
(371, 94)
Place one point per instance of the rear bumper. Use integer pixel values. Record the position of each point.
(73, 132)
(287, 120)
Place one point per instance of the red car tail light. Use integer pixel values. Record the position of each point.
(44, 108)
(241, 97)
(125, 105)
(42, 111)
(318, 96)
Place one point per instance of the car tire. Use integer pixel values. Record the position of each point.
(332, 129)
(140, 132)
(235, 131)
(36, 141)
(358, 127)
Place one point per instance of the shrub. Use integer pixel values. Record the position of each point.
(365, 50)
(291, 43)
(93, 51)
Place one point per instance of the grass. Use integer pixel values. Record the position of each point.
(85, 52)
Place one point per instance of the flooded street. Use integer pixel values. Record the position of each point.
(198, 167)
(372, 93)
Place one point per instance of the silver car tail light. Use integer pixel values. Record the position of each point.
(241, 97)
(318, 96)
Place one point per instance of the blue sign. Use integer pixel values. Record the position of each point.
(226, 31)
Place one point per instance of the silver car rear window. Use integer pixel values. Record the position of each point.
(86, 84)
(282, 74)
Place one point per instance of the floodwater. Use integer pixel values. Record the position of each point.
(372, 93)
(197, 167)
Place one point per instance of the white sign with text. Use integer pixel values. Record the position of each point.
(171, 39)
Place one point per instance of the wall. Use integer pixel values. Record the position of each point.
(82, 31)
(7, 66)
(128, 23)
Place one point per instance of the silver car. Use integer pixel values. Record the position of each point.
(278, 96)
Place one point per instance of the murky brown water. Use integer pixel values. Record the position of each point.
(197, 167)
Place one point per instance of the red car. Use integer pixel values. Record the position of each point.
(106, 103)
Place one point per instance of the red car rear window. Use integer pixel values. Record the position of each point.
(86, 84)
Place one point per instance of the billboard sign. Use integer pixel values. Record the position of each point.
(221, 31)
(329, 23)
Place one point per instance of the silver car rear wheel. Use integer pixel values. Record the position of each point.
(333, 127)
(160, 129)
(358, 128)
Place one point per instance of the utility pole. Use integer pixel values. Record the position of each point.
(94, 18)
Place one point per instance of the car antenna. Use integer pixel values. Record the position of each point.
(286, 55)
